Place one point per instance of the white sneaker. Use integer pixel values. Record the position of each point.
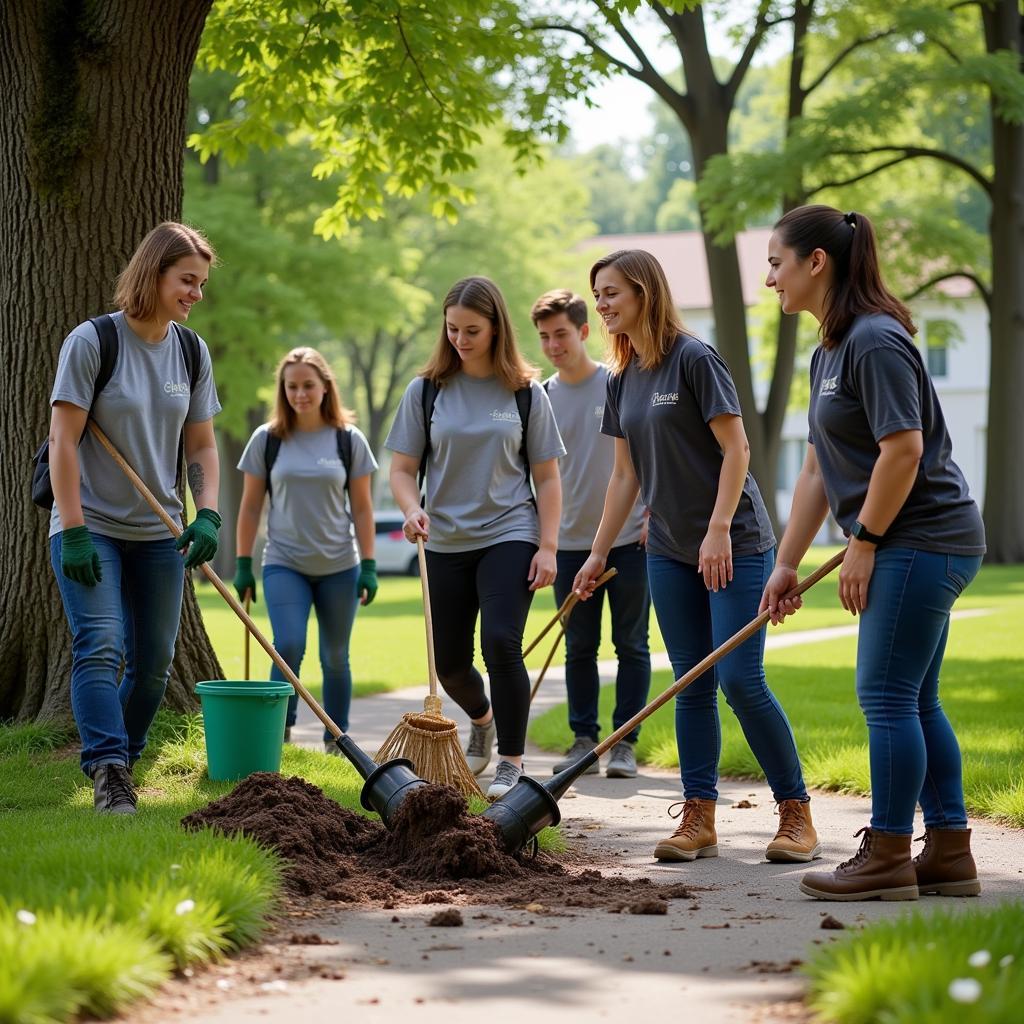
(481, 742)
(506, 775)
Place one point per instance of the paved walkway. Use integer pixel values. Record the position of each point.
(727, 956)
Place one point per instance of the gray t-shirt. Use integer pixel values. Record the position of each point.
(663, 414)
(477, 491)
(309, 527)
(587, 464)
(142, 410)
(872, 384)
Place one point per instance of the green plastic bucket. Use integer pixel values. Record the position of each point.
(244, 724)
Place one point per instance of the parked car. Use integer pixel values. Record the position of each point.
(394, 553)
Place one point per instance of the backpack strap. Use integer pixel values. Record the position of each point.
(428, 397)
(188, 342)
(269, 458)
(106, 331)
(524, 399)
(343, 436)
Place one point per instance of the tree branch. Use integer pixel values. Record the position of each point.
(595, 46)
(671, 22)
(761, 25)
(908, 153)
(843, 54)
(415, 63)
(983, 289)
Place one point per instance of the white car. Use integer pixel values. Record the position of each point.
(394, 553)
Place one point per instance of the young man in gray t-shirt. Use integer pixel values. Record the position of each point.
(577, 394)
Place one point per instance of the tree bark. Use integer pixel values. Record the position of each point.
(93, 104)
(1004, 470)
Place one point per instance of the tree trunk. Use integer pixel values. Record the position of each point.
(93, 102)
(1004, 471)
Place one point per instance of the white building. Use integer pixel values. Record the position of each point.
(952, 325)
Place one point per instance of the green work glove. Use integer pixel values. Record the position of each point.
(244, 579)
(79, 559)
(367, 579)
(200, 537)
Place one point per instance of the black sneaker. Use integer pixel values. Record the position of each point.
(622, 761)
(113, 791)
(580, 746)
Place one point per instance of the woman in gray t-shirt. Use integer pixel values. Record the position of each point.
(308, 460)
(490, 543)
(679, 440)
(879, 456)
(119, 574)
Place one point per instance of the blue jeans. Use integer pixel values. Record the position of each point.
(290, 595)
(903, 630)
(630, 603)
(694, 621)
(131, 615)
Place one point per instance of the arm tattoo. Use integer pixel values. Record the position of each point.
(196, 478)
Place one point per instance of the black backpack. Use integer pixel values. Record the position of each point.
(343, 437)
(106, 330)
(524, 399)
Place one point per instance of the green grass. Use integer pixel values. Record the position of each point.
(388, 649)
(982, 680)
(910, 970)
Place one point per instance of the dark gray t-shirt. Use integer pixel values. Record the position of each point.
(142, 410)
(477, 491)
(872, 384)
(663, 414)
(587, 463)
(309, 526)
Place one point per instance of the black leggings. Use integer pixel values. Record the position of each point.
(491, 581)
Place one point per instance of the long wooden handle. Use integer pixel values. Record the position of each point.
(171, 525)
(421, 551)
(567, 606)
(714, 657)
(248, 601)
(551, 654)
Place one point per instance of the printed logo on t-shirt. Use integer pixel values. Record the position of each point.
(170, 388)
(829, 386)
(333, 463)
(599, 411)
(505, 416)
(666, 398)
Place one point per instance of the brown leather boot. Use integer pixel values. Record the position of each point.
(796, 840)
(945, 865)
(880, 869)
(695, 837)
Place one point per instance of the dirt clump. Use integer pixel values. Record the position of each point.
(830, 922)
(436, 853)
(450, 918)
(648, 907)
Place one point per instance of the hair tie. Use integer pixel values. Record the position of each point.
(851, 219)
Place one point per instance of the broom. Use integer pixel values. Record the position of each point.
(427, 738)
(562, 618)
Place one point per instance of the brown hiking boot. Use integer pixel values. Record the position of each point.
(695, 836)
(945, 865)
(796, 841)
(880, 869)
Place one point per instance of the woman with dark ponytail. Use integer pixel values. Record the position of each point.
(879, 456)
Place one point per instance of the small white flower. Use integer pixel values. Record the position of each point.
(1007, 960)
(185, 907)
(965, 990)
(188, 972)
(26, 917)
(175, 867)
(224, 984)
(982, 958)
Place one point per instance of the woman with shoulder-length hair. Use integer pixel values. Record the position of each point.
(481, 426)
(879, 456)
(315, 467)
(148, 384)
(679, 440)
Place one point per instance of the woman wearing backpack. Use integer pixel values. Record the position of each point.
(120, 575)
(316, 468)
(879, 456)
(490, 544)
(679, 439)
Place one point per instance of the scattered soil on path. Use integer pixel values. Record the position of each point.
(436, 852)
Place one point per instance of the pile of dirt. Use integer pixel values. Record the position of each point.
(436, 852)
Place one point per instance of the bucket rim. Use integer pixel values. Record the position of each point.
(243, 688)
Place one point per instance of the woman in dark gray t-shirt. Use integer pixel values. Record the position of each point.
(879, 456)
(119, 574)
(679, 440)
(487, 431)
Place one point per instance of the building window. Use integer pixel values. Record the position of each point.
(938, 336)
